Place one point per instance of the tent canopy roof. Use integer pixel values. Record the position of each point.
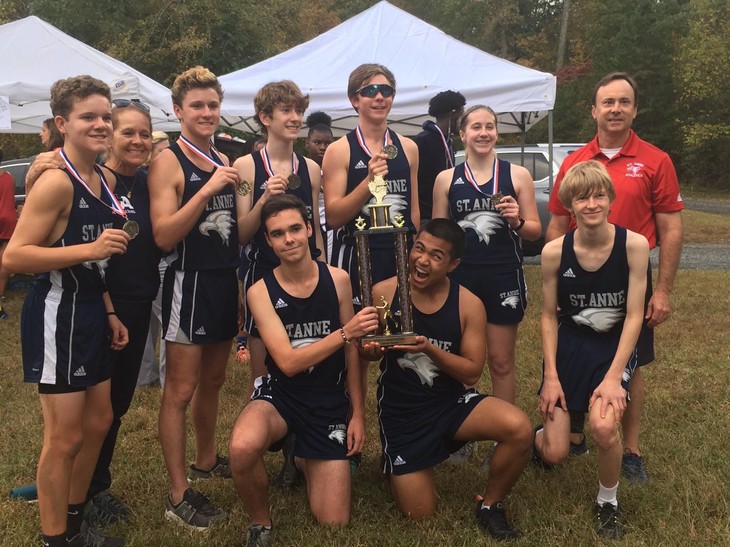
(35, 54)
(423, 59)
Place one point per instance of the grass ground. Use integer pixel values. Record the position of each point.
(684, 438)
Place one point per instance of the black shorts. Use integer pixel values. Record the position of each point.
(319, 420)
(200, 307)
(583, 361)
(64, 337)
(425, 437)
(502, 290)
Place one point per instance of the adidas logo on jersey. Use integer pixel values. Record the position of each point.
(201, 331)
(280, 304)
(83, 204)
(263, 186)
(569, 273)
(458, 181)
(361, 165)
(399, 461)
(81, 371)
(194, 177)
(356, 301)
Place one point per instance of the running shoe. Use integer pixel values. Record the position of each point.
(222, 468)
(494, 521)
(194, 511)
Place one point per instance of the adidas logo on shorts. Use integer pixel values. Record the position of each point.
(83, 204)
(458, 181)
(201, 331)
(194, 177)
(81, 371)
(569, 273)
(361, 165)
(280, 304)
(399, 461)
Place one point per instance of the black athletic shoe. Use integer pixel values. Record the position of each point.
(579, 449)
(260, 536)
(494, 521)
(90, 537)
(634, 468)
(104, 509)
(289, 474)
(194, 511)
(222, 468)
(608, 521)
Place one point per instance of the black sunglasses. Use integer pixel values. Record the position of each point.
(370, 91)
(136, 103)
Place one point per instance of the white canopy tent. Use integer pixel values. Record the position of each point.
(35, 54)
(423, 59)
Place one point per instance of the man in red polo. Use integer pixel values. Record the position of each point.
(648, 202)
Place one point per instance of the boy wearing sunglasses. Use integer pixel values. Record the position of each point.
(351, 163)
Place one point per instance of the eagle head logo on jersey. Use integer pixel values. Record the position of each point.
(220, 222)
(484, 223)
(511, 301)
(598, 319)
(421, 364)
(338, 435)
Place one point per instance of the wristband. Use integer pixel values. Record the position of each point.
(111, 313)
(344, 338)
(520, 225)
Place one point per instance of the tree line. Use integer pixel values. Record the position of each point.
(678, 51)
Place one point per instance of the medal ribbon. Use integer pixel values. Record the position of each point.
(116, 207)
(449, 160)
(270, 170)
(213, 159)
(361, 140)
(495, 174)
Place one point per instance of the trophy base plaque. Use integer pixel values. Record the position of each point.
(390, 340)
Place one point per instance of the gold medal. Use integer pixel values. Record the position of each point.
(243, 188)
(294, 181)
(131, 228)
(496, 198)
(390, 151)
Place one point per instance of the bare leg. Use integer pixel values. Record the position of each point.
(497, 420)
(182, 379)
(553, 443)
(631, 420)
(328, 489)
(501, 341)
(62, 441)
(97, 418)
(415, 493)
(608, 441)
(257, 427)
(212, 375)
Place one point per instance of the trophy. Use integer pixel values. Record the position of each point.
(395, 332)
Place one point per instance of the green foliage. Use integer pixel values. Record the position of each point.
(703, 78)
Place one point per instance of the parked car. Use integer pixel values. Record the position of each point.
(536, 160)
(18, 169)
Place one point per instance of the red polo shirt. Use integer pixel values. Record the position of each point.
(645, 182)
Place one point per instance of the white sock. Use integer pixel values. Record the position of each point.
(607, 495)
